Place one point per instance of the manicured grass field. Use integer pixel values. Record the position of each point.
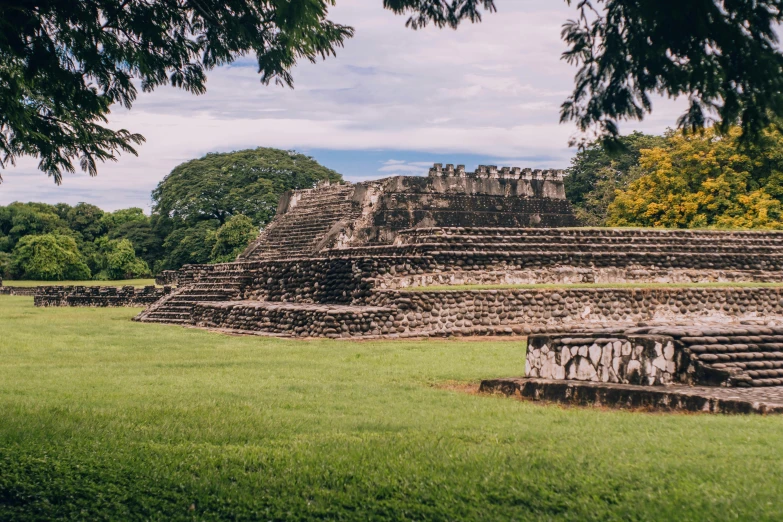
(105, 419)
(123, 282)
(459, 288)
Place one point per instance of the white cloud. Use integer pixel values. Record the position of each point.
(491, 89)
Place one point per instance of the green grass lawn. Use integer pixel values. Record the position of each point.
(105, 419)
(124, 282)
(458, 288)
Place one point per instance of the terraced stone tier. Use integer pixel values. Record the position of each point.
(296, 319)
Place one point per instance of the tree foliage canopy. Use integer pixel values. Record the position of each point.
(723, 55)
(101, 241)
(232, 238)
(247, 182)
(63, 64)
(596, 174)
(706, 181)
(119, 261)
(49, 257)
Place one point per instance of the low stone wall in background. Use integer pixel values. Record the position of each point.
(98, 296)
(18, 290)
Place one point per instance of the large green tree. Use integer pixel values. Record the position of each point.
(232, 238)
(48, 257)
(200, 196)
(597, 173)
(118, 260)
(706, 181)
(247, 182)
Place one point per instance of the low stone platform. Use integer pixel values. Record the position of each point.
(297, 319)
(707, 399)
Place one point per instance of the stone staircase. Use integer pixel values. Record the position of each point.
(223, 283)
(302, 230)
(734, 356)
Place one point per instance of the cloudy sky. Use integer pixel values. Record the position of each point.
(393, 101)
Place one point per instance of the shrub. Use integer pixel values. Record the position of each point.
(48, 257)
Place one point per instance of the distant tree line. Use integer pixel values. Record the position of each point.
(205, 211)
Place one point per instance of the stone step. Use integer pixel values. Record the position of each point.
(166, 320)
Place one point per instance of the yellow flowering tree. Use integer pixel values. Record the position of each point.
(705, 181)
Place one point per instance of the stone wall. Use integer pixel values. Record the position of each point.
(496, 312)
(18, 290)
(699, 355)
(302, 320)
(98, 296)
(527, 311)
(167, 278)
(642, 359)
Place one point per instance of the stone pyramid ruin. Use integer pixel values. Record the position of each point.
(375, 212)
(350, 261)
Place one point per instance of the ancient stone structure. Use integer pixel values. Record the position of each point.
(491, 312)
(345, 261)
(166, 278)
(673, 367)
(374, 212)
(98, 296)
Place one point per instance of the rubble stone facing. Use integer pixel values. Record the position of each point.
(98, 296)
(644, 360)
(578, 307)
(494, 312)
(304, 320)
(738, 355)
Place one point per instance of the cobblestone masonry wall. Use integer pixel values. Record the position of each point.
(643, 359)
(98, 296)
(573, 307)
(496, 312)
